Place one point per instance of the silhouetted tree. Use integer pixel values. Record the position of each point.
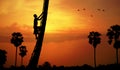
(114, 35)
(46, 66)
(94, 40)
(17, 40)
(22, 53)
(3, 57)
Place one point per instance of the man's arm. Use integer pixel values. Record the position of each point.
(40, 16)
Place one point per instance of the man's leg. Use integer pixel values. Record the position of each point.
(36, 36)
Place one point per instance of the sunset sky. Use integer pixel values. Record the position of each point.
(68, 25)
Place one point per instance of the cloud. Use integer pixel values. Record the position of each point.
(62, 37)
(5, 35)
(27, 32)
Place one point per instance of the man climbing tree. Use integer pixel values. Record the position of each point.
(37, 50)
(35, 26)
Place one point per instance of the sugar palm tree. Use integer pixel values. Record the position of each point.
(17, 40)
(114, 36)
(3, 57)
(22, 53)
(94, 40)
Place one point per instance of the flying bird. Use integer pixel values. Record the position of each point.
(84, 9)
(103, 10)
(91, 15)
(99, 9)
(78, 10)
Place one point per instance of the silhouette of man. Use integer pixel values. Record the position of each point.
(36, 24)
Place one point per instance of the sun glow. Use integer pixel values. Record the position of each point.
(58, 21)
(63, 21)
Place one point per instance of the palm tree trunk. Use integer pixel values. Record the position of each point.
(16, 57)
(117, 55)
(95, 57)
(21, 61)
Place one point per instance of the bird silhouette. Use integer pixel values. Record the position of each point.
(91, 15)
(84, 9)
(99, 9)
(103, 10)
(78, 9)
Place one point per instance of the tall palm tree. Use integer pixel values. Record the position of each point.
(114, 36)
(17, 40)
(22, 53)
(3, 57)
(94, 40)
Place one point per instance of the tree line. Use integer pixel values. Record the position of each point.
(94, 38)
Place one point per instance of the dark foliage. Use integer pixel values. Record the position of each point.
(3, 57)
(17, 39)
(23, 51)
(47, 66)
(94, 38)
(114, 37)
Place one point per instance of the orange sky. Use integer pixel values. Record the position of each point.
(68, 25)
